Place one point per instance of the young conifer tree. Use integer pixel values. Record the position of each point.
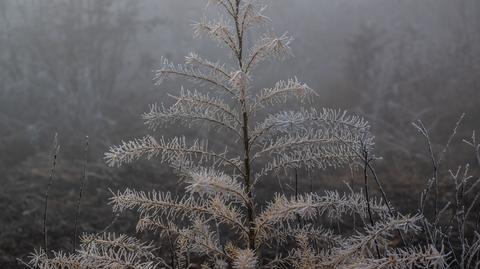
(220, 186)
(288, 139)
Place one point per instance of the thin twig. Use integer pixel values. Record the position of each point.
(367, 196)
(24, 263)
(377, 181)
(82, 187)
(384, 195)
(450, 139)
(434, 180)
(111, 223)
(299, 218)
(56, 148)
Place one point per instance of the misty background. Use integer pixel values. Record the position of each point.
(84, 67)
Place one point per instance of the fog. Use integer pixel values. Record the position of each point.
(407, 59)
(356, 54)
(84, 68)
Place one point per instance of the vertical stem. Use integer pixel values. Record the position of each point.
(239, 34)
(367, 197)
(434, 174)
(50, 182)
(461, 217)
(173, 256)
(385, 198)
(477, 150)
(246, 137)
(477, 222)
(82, 187)
(246, 162)
(299, 219)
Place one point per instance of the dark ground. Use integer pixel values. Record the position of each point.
(22, 198)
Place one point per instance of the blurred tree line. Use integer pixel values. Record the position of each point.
(66, 66)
